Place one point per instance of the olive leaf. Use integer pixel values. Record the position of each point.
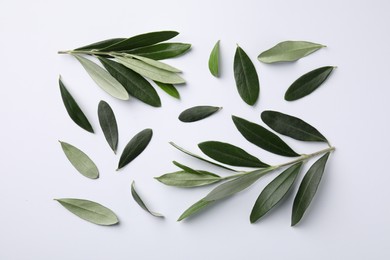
(307, 83)
(187, 179)
(169, 89)
(140, 202)
(135, 147)
(100, 44)
(246, 77)
(289, 51)
(162, 51)
(108, 124)
(197, 113)
(90, 211)
(195, 208)
(262, 137)
(190, 170)
(80, 161)
(103, 79)
(73, 109)
(308, 189)
(214, 60)
(154, 63)
(134, 83)
(230, 154)
(274, 192)
(291, 126)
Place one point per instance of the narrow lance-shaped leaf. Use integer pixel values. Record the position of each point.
(108, 124)
(169, 89)
(289, 51)
(246, 77)
(262, 137)
(154, 63)
(103, 79)
(90, 211)
(291, 126)
(73, 109)
(162, 51)
(214, 60)
(190, 170)
(195, 208)
(136, 85)
(140, 202)
(307, 83)
(186, 179)
(80, 161)
(135, 147)
(100, 44)
(230, 154)
(308, 189)
(274, 192)
(197, 113)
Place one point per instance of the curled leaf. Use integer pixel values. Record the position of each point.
(108, 124)
(140, 202)
(187, 179)
(162, 51)
(214, 60)
(197, 113)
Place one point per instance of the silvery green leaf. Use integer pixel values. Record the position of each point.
(140, 202)
(154, 63)
(195, 208)
(186, 179)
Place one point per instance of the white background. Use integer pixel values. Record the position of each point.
(349, 218)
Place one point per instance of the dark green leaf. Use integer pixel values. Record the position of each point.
(139, 201)
(186, 179)
(135, 147)
(291, 126)
(162, 51)
(214, 60)
(308, 189)
(246, 77)
(108, 124)
(134, 83)
(289, 51)
(307, 83)
(230, 154)
(274, 192)
(169, 89)
(197, 113)
(90, 211)
(141, 40)
(195, 208)
(262, 137)
(73, 109)
(100, 44)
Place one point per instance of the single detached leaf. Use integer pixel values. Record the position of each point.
(141, 40)
(246, 77)
(134, 83)
(108, 124)
(307, 83)
(186, 179)
(169, 89)
(140, 202)
(150, 71)
(291, 126)
(230, 154)
(289, 51)
(162, 51)
(197, 113)
(154, 63)
(195, 208)
(90, 211)
(214, 60)
(308, 189)
(73, 109)
(262, 137)
(135, 147)
(100, 45)
(103, 79)
(80, 161)
(274, 192)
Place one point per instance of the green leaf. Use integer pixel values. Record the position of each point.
(154, 63)
(197, 113)
(139, 201)
(162, 51)
(108, 124)
(291, 126)
(103, 79)
(262, 137)
(141, 40)
(100, 45)
(135, 147)
(90, 211)
(289, 51)
(308, 189)
(190, 170)
(307, 83)
(230, 154)
(214, 60)
(134, 83)
(169, 89)
(274, 192)
(186, 179)
(80, 161)
(246, 77)
(150, 71)
(73, 109)
(195, 208)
